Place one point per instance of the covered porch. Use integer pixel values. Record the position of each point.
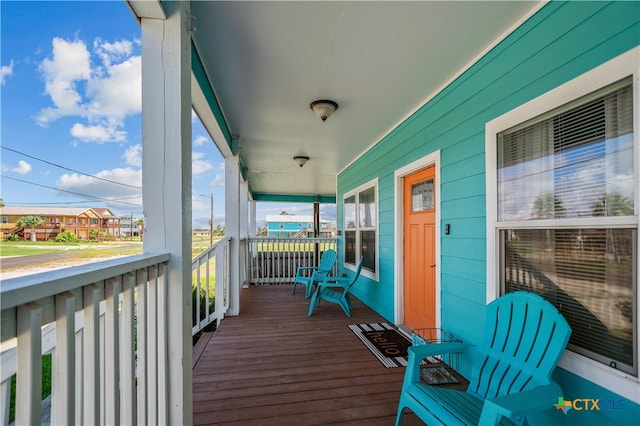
(416, 84)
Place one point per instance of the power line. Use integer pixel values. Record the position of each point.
(70, 192)
(113, 200)
(67, 168)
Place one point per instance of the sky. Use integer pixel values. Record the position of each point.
(70, 121)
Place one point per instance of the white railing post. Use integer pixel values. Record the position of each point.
(63, 386)
(29, 365)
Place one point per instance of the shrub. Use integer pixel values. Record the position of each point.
(12, 237)
(66, 237)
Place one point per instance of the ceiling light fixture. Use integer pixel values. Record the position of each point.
(301, 159)
(323, 108)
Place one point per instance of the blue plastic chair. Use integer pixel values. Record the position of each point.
(524, 339)
(318, 273)
(336, 290)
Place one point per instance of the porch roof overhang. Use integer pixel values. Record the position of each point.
(257, 66)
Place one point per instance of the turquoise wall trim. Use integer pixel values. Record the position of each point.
(323, 199)
(205, 85)
(560, 42)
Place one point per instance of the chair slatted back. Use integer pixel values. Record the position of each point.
(325, 267)
(524, 340)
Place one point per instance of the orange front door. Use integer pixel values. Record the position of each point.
(419, 249)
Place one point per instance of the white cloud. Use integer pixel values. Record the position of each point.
(198, 165)
(98, 133)
(22, 168)
(109, 52)
(200, 140)
(218, 181)
(119, 93)
(110, 191)
(6, 71)
(69, 65)
(103, 94)
(133, 155)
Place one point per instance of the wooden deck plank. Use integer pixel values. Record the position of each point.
(274, 365)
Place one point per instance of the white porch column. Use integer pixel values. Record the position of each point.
(232, 221)
(252, 219)
(166, 181)
(244, 232)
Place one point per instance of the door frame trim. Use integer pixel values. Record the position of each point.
(432, 159)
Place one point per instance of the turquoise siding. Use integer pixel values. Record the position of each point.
(288, 228)
(560, 42)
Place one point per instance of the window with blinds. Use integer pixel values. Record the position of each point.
(570, 170)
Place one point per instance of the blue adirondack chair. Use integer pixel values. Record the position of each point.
(336, 290)
(524, 339)
(318, 273)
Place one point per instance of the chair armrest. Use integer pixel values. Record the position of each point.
(520, 404)
(305, 268)
(331, 281)
(432, 349)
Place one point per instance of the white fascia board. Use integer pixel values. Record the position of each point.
(147, 9)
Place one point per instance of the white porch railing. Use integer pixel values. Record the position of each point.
(276, 260)
(105, 326)
(210, 272)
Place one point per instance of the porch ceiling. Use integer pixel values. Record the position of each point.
(267, 61)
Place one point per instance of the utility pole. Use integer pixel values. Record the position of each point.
(211, 223)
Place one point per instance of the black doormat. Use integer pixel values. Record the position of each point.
(384, 341)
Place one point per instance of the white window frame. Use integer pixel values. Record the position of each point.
(614, 70)
(354, 192)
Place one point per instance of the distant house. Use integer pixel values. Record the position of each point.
(201, 232)
(129, 227)
(293, 226)
(80, 221)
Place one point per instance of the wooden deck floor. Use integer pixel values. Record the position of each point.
(273, 365)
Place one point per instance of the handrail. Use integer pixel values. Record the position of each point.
(210, 272)
(107, 324)
(21, 290)
(276, 260)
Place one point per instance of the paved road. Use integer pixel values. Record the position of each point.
(15, 262)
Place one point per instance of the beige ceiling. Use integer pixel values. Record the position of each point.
(267, 61)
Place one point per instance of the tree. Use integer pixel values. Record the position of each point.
(140, 223)
(547, 206)
(613, 204)
(31, 222)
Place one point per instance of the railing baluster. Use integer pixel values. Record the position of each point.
(141, 342)
(128, 373)
(152, 347)
(91, 354)
(5, 401)
(112, 351)
(163, 345)
(29, 365)
(63, 410)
